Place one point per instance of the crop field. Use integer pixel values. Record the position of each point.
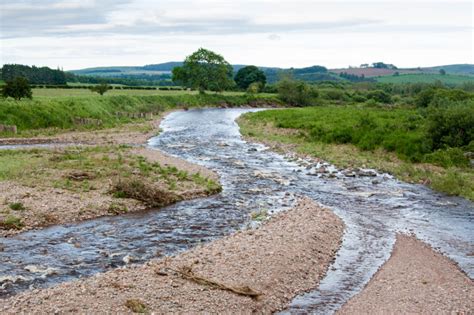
(450, 79)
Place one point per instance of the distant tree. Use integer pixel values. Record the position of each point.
(396, 74)
(442, 71)
(204, 70)
(101, 88)
(381, 65)
(34, 75)
(248, 75)
(17, 88)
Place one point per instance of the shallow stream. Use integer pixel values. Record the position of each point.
(373, 206)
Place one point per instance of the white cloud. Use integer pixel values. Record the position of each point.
(84, 33)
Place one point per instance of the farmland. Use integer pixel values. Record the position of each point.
(449, 79)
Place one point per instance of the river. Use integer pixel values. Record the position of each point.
(374, 209)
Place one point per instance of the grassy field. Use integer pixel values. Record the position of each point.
(59, 108)
(387, 140)
(449, 79)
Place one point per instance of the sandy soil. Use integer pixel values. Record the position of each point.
(45, 206)
(415, 280)
(285, 256)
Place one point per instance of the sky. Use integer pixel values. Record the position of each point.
(75, 34)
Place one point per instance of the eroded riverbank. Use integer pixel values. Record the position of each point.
(286, 255)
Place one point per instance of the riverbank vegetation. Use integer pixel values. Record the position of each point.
(102, 111)
(420, 133)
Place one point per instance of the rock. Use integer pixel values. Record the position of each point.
(322, 170)
(252, 150)
(368, 173)
(128, 259)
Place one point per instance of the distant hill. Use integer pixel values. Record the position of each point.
(462, 69)
(309, 74)
(455, 69)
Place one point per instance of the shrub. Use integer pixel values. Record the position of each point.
(380, 96)
(333, 95)
(451, 126)
(296, 93)
(447, 158)
(101, 88)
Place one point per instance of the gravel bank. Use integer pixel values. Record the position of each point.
(415, 279)
(285, 256)
(44, 205)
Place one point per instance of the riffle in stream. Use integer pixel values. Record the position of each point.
(373, 206)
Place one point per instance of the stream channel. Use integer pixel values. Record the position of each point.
(373, 206)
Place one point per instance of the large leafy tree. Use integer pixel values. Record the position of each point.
(204, 70)
(17, 88)
(248, 75)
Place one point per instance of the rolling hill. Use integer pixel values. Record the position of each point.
(455, 74)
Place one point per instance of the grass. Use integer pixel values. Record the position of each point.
(16, 206)
(82, 169)
(292, 128)
(59, 112)
(449, 79)
(11, 223)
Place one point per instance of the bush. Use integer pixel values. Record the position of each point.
(380, 96)
(451, 126)
(447, 158)
(296, 93)
(333, 95)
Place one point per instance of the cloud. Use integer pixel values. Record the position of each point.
(77, 33)
(31, 18)
(274, 37)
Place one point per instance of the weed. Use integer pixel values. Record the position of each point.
(11, 223)
(136, 306)
(17, 206)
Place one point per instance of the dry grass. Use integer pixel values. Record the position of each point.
(140, 189)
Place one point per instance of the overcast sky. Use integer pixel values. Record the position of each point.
(76, 34)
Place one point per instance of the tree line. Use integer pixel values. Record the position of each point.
(34, 75)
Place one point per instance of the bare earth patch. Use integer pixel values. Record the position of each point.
(285, 256)
(415, 279)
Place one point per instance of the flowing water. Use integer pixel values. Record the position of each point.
(373, 206)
